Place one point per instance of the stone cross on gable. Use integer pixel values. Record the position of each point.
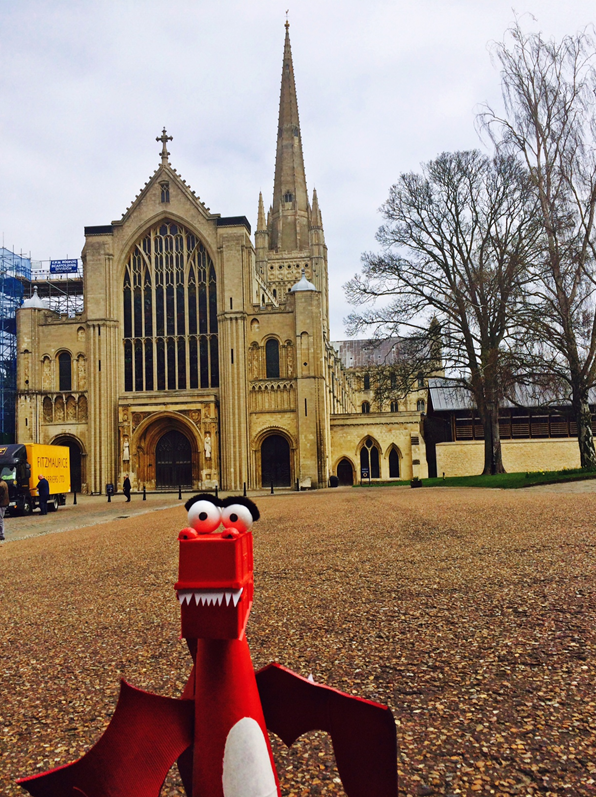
(164, 138)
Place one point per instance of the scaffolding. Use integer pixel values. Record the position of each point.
(14, 269)
(62, 293)
(19, 276)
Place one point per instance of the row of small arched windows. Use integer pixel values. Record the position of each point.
(365, 406)
(419, 381)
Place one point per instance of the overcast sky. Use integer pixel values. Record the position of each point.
(87, 85)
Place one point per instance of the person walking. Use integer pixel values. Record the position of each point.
(126, 488)
(4, 501)
(43, 492)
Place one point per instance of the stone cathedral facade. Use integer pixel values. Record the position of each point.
(203, 358)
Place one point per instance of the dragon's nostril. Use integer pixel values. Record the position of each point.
(203, 516)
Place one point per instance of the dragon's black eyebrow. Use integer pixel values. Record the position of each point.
(240, 499)
(204, 497)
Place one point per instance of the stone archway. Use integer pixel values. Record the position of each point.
(165, 453)
(77, 461)
(275, 462)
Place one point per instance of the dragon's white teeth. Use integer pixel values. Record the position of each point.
(215, 598)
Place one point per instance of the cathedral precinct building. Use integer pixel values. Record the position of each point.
(202, 358)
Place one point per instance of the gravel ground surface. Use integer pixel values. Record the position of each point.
(472, 613)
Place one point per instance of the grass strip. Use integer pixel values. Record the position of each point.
(503, 481)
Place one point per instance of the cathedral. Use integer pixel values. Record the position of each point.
(202, 358)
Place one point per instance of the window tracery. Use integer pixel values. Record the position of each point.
(170, 313)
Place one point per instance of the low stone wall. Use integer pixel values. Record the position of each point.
(467, 458)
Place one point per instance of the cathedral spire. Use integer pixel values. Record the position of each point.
(289, 220)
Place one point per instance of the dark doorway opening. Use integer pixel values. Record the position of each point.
(75, 462)
(345, 472)
(275, 461)
(173, 461)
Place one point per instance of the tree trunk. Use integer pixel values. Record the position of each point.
(493, 459)
(585, 438)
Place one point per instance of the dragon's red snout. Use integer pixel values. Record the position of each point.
(215, 579)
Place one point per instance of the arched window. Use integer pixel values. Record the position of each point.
(420, 405)
(272, 358)
(369, 460)
(420, 379)
(64, 371)
(170, 313)
(367, 381)
(393, 464)
(394, 406)
(365, 407)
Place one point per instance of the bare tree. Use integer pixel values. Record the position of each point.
(456, 245)
(550, 121)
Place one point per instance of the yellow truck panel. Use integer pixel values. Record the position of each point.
(51, 461)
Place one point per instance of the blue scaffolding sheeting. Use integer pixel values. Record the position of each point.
(13, 268)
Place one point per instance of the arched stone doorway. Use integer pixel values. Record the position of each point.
(345, 472)
(275, 462)
(173, 460)
(76, 462)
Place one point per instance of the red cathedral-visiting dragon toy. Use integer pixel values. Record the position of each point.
(217, 730)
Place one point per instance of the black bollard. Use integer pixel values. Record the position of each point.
(271, 488)
(244, 493)
(297, 485)
(144, 493)
(179, 492)
(216, 490)
(74, 500)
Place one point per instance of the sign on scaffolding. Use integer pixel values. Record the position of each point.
(64, 266)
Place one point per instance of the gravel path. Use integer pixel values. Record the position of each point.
(471, 612)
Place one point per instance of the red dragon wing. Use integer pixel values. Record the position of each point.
(362, 732)
(144, 738)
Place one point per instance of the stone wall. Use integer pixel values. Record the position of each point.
(467, 458)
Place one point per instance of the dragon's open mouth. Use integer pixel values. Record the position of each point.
(217, 597)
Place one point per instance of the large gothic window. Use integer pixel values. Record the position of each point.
(170, 313)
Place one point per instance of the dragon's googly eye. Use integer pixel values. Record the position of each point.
(236, 516)
(204, 517)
